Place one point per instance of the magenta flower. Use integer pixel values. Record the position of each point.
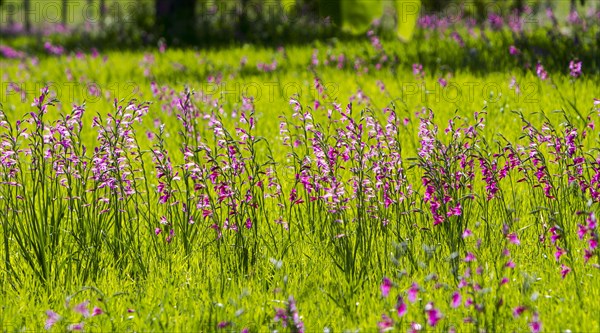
(559, 253)
(75, 327)
(222, 324)
(418, 70)
(53, 317)
(433, 314)
(401, 307)
(386, 285)
(82, 308)
(413, 291)
(581, 231)
(575, 68)
(415, 327)
(97, 311)
(456, 210)
(535, 325)
(593, 242)
(541, 72)
(470, 257)
(510, 264)
(442, 82)
(385, 324)
(514, 239)
(518, 311)
(456, 299)
(513, 50)
(564, 270)
(467, 233)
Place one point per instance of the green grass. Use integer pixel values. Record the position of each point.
(173, 288)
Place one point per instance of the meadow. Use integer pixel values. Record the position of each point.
(451, 183)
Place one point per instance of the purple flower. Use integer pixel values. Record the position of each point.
(513, 50)
(535, 325)
(82, 308)
(456, 210)
(401, 307)
(386, 285)
(518, 311)
(513, 239)
(418, 70)
(541, 72)
(433, 314)
(385, 324)
(564, 270)
(470, 257)
(53, 317)
(415, 327)
(97, 311)
(442, 82)
(75, 327)
(413, 291)
(456, 299)
(222, 324)
(559, 253)
(575, 68)
(467, 233)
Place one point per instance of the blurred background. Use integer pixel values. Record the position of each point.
(129, 23)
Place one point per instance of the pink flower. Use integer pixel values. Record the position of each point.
(433, 314)
(456, 299)
(417, 69)
(456, 211)
(564, 270)
(469, 257)
(581, 231)
(97, 311)
(575, 68)
(386, 285)
(442, 82)
(541, 72)
(385, 324)
(593, 242)
(413, 291)
(518, 311)
(415, 327)
(75, 327)
(535, 325)
(82, 308)
(513, 50)
(401, 307)
(467, 233)
(510, 264)
(53, 317)
(559, 253)
(513, 239)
